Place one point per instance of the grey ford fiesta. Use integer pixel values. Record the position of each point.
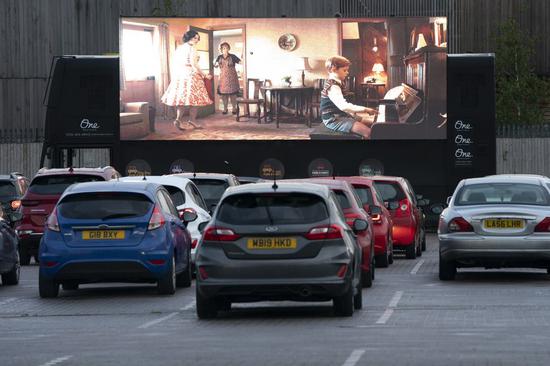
(278, 242)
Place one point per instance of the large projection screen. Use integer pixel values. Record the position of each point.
(283, 78)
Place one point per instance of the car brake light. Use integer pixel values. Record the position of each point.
(376, 218)
(15, 204)
(543, 226)
(52, 222)
(220, 234)
(157, 262)
(194, 243)
(458, 224)
(29, 203)
(324, 232)
(157, 219)
(342, 271)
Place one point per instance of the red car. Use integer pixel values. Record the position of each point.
(408, 223)
(41, 197)
(381, 218)
(353, 209)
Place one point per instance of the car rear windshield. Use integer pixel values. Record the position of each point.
(364, 194)
(272, 209)
(56, 184)
(104, 205)
(502, 193)
(211, 189)
(7, 189)
(342, 199)
(176, 194)
(390, 191)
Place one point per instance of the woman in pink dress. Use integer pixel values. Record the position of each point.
(187, 90)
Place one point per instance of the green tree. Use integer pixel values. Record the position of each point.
(520, 92)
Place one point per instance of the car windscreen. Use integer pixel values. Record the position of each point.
(272, 209)
(211, 189)
(104, 205)
(365, 194)
(390, 191)
(56, 184)
(7, 190)
(176, 194)
(342, 199)
(502, 194)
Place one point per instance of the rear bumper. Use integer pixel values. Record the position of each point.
(6, 265)
(403, 235)
(380, 239)
(496, 251)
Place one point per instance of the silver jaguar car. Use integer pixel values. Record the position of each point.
(496, 222)
(284, 241)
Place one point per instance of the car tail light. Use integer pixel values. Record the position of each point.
(157, 219)
(50, 264)
(157, 262)
(376, 218)
(29, 203)
(342, 271)
(220, 234)
(15, 204)
(543, 226)
(194, 243)
(458, 224)
(202, 273)
(324, 232)
(52, 222)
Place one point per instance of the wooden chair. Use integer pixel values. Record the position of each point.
(316, 100)
(254, 90)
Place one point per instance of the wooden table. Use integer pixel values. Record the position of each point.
(302, 102)
(369, 88)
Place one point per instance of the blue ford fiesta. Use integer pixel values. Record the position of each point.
(115, 232)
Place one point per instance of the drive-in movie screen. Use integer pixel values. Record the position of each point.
(283, 79)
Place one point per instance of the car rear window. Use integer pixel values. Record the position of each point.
(211, 189)
(7, 189)
(365, 194)
(390, 191)
(502, 193)
(342, 199)
(104, 205)
(176, 194)
(272, 209)
(56, 184)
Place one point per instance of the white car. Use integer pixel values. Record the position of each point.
(186, 196)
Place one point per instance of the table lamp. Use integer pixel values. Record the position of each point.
(378, 68)
(302, 64)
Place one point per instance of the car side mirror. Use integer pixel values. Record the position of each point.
(360, 225)
(188, 215)
(449, 200)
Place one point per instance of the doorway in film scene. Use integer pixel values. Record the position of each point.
(283, 79)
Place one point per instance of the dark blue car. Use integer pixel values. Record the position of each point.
(115, 232)
(9, 256)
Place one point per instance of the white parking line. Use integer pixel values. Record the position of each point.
(392, 305)
(417, 267)
(354, 357)
(57, 361)
(189, 306)
(8, 300)
(160, 320)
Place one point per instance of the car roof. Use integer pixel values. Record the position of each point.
(386, 177)
(329, 182)
(148, 188)
(58, 171)
(217, 176)
(282, 187)
(161, 179)
(508, 178)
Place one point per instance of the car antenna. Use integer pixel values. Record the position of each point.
(274, 186)
(228, 165)
(144, 177)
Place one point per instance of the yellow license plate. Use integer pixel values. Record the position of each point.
(503, 224)
(103, 234)
(271, 243)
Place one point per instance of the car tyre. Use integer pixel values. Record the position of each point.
(206, 308)
(383, 260)
(24, 256)
(419, 251)
(167, 284)
(424, 243)
(410, 252)
(366, 278)
(11, 278)
(447, 270)
(358, 298)
(390, 257)
(184, 278)
(47, 288)
(343, 305)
